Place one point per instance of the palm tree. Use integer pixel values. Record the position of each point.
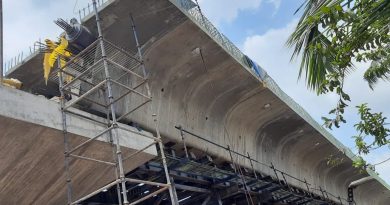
(331, 34)
(329, 37)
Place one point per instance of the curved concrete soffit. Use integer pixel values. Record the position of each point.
(190, 10)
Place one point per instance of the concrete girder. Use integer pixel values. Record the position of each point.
(226, 104)
(32, 159)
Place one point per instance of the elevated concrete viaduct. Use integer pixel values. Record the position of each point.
(32, 162)
(201, 82)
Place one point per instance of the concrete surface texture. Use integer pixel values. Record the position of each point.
(221, 100)
(225, 103)
(32, 160)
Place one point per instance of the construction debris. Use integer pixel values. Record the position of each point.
(12, 82)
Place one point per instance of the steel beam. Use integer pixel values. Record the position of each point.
(191, 188)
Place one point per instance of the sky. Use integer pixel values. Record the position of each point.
(259, 28)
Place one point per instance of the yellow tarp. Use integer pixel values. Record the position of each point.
(13, 83)
(50, 58)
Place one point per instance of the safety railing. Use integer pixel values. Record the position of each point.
(85, 11)
(20, 57)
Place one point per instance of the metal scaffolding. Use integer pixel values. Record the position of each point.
(199, 178)
(103, 75)
(250, 181)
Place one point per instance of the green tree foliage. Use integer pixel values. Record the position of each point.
(330, 36)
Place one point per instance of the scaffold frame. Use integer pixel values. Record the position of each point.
(91, 73)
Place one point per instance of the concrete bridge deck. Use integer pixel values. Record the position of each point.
(223, 98)
(32, 144)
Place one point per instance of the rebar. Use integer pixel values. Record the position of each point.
(64, 25)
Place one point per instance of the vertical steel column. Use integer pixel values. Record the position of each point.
(285, 180)
(253, 169)
(327, 195)
(276, 173)
(308, 188)
(322, 193)
(206, 200)
(140, 54)
(231, 158)
(65, 133)
(175, 198)
(219, 200)
(112, 107)
(238, 171)
(164, 160)
(341, 202)
(118, 188)
(172, 193)
(184, 142)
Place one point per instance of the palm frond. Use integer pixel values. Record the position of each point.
(314, 65)
(377, 71)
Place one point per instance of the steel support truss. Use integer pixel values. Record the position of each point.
(200, 178)
(105, 75)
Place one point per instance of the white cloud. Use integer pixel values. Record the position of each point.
(26, 21)
(223, 11)
(270, 52)
(276, 4)
(226, 11)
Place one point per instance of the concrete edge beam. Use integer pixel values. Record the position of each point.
(34, 109)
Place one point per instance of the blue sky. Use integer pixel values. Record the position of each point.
(258, 27)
